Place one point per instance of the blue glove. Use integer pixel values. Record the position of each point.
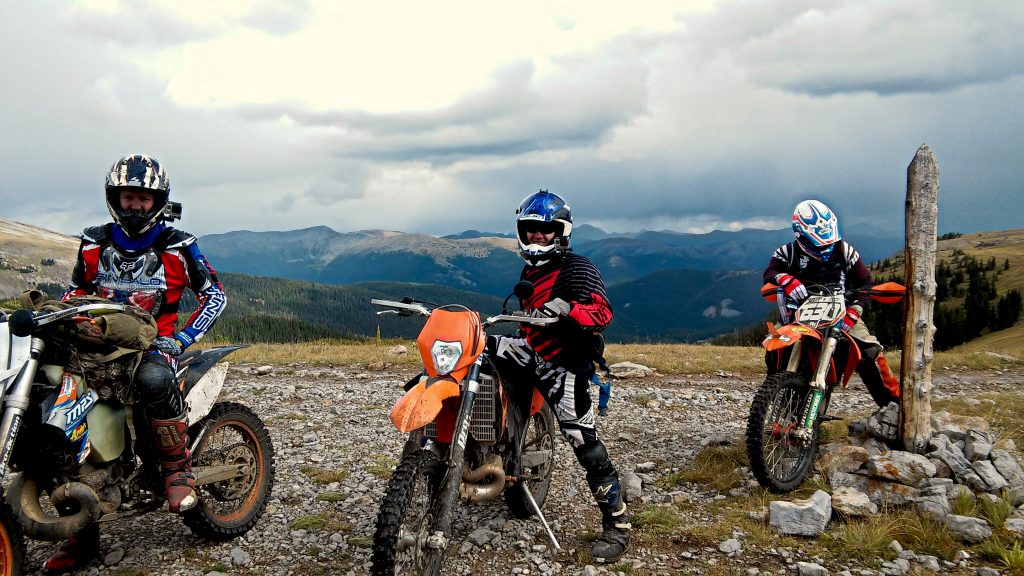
(168, 345)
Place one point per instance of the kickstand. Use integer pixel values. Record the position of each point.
(533, 503)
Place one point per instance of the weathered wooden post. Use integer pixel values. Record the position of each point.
(918, 329)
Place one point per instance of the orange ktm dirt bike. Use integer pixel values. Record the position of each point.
(80, 438)
(473, 435)
(788, 408)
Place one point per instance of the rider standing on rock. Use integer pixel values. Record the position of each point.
(819, 256)
(139, 260)
(559, 358)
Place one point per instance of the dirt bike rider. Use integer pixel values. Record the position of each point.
(139, 260)
(558, 358)
(818, 255)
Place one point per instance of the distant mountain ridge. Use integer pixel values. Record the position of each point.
(485, 261)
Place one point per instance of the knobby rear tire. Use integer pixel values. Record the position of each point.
(779, 462)
(227, 509)
(538, 437)
(12, 543)
(407, 511)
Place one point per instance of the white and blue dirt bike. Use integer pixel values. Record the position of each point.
(80, 440)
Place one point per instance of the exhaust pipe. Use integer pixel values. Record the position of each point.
(23, 495)
(474, 491)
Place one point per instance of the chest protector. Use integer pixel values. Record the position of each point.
(137, 278)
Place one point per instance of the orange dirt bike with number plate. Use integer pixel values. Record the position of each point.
(473, 435)
(80, 438)
(788, 408)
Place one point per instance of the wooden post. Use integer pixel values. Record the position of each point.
(918, 329)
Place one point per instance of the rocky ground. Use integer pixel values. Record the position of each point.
(335, 419)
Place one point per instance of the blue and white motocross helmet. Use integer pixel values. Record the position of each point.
(816, 228)
(546, 212)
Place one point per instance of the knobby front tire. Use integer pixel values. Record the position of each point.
(12, 543)
(407, 518)
(778, 460)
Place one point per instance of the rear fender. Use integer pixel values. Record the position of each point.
(537, 402)
(204, 376)
(422, 403)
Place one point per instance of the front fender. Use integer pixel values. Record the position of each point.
(421, 404)
(785, 336)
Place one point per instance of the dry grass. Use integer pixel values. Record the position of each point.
(668, 359)
(1001, 410)
(323, 475)
(329, 352)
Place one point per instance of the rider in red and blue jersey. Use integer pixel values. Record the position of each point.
(137, 259)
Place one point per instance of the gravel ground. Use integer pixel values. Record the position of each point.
(336, 419)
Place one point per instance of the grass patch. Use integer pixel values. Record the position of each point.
(715, 467)
(863, 539)
(130, 572)
(656, 520)
(963, 504)
(217, 567)
(323, 475)
(381, 466)
(925, 536)
(641, 399)
(296, 416)
(361, 541)
(1013, 558)
(995, 511)
(310, 522)
(332, 497)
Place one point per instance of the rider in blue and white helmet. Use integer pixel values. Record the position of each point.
(816, 228)
(819, 256)
(547, 213)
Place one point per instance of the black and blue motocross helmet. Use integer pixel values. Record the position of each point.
(137, 172)
(547, 212)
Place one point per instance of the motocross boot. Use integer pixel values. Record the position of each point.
(615, 527)
(76, 553)
(170, 439)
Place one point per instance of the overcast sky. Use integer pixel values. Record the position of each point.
(441, 116)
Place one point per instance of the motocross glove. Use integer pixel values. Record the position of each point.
(556, 308)
(168, 345)
(851, 318)
(792, 287)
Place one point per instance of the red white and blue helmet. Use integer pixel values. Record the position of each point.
(549, 212)
(137, 172)
(816, 228)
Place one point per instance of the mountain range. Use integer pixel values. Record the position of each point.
(664, 285)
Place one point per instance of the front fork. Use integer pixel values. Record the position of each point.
(16, 403)
(449, 493)
(818, 386)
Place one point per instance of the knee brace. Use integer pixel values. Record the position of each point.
(159, 389)
(595, 461)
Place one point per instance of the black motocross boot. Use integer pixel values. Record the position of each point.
(615, 526)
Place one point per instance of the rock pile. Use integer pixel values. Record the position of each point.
(963, 463)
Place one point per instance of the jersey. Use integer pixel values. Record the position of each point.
(153, 278)
(844, 268)
(571, 341)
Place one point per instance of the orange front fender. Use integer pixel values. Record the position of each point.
(422, 402)
(787, 335)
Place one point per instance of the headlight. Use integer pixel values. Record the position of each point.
(446, 355)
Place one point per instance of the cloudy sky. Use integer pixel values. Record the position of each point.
(440, 116)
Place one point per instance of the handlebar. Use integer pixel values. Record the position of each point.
(26, 322)
(407, 309)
